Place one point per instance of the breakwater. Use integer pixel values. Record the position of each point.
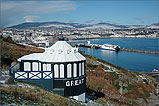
(98, 46)
(95, 46)
(139, 51)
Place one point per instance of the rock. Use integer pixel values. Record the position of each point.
(3, 78)
(6, 79)
(125, 91)
(13, 63)
(9, 80)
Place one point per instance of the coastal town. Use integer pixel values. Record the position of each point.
(37, 36)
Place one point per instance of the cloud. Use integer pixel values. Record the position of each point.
(30, 18)
(17, 8)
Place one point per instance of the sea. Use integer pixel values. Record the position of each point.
(140, 62)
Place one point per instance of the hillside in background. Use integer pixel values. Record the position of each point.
(106, 83)
(10, 51)
(61, 25)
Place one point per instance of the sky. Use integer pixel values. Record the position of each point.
(121, 12)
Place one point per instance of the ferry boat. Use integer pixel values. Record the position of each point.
(110, 47)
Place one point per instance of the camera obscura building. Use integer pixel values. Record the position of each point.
(61, 68)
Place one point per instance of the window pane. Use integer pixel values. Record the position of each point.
(48, 67)
(44, 67)
(75, 70)
(35, 66)
(56, 71)
(61, 71)
(79, 69)
(69, 71)
(27, 66)
(39, 66)
(83, 68)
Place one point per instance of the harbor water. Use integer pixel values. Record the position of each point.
(140, 62)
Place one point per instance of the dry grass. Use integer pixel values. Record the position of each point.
(101, 81)
(142, 91)
(108, 84)
(11, 52)
(37, 96)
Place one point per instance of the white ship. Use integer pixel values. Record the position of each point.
(110, 47)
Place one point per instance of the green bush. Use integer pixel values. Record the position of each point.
(8, 39)
(114, 75)
(117, 85)
(91, 66)
(146, 92)
(155, 84)
(145, 81)
(130, 86)
(106, 68)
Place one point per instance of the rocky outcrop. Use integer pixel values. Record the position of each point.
(6, 79)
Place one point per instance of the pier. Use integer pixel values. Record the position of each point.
(97, 46)
(139, 51)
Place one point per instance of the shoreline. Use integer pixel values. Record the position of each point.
(126, 49)
(117, 38)
(129, 50)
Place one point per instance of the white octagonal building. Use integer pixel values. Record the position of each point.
(61, 68)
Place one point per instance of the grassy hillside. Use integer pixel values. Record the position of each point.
(22, 93)
(118, 85)
(10, 51)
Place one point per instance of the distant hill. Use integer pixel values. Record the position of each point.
(62, 25)
(155, 25)
(50, 25)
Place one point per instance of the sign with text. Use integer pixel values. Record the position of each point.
(75, 82)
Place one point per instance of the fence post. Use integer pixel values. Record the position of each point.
(41, 74)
